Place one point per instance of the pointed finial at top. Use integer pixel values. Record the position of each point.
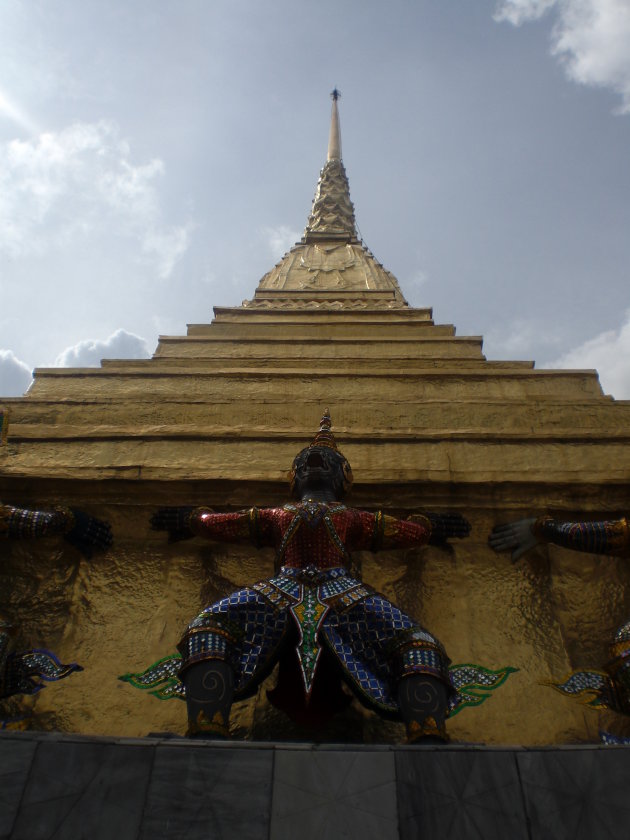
(334, 140)
(324, 436)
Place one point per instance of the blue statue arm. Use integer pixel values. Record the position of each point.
(84, 532)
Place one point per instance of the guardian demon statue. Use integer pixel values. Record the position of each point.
(314, 618)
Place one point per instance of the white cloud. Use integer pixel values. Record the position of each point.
(167, 246)
(609, 354)
(280, 239)
(590, 37)
(521, 338)
(59, 187)
(413, 287)
(418, 279)
(15, 375)
(521, 11)
(88, 353)
(9, 109)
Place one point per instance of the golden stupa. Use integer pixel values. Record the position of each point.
(216, 417)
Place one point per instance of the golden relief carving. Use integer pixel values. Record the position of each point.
(327, 256)
(330, 265)
(292, 303)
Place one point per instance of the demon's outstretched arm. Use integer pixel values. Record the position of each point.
(255, 524)
(602, 537)
(85, 532)
(376, 531)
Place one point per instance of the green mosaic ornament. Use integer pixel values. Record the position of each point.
(160, 679)
(474, 684)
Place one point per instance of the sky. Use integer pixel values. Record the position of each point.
(157, 158)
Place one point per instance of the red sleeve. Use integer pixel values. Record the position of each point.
(376, 531)
(253, 525)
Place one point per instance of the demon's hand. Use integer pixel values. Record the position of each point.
(446, 525)
(516, 537)
(175, 520)
(87, 533)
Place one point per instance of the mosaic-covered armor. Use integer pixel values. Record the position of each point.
(607, 537)
(315, 608)
(604, 537)
(611, 687)
(81, 530)
(313, 542)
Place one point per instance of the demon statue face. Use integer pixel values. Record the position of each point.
(318, 469)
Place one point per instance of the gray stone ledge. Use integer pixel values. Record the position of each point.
(55, 785)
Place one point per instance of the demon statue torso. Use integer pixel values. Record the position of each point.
(315, 618)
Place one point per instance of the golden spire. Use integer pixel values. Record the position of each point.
(329, 268)
(332, 214)
(334, 140)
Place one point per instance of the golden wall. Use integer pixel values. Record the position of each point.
(215, 417)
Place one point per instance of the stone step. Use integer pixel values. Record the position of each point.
(333, 329)
(328, 386)
(442, 459)
(393, 365)
(366, 315)
(279, 348)
(540, 418)
(68, 786)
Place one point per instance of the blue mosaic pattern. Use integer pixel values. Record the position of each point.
(613, 740)
(623, 633)
(287, 585)
(312, 574)
(337, 587)
(595, 689)
(23, 671)
(373, 640)
(204, 644)
(581, 683)
(260, 631)
(362, 640)
(334, 586)
(276, 597)
(467, 675)
(427, 660)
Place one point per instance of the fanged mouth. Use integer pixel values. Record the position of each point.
(315, 461)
